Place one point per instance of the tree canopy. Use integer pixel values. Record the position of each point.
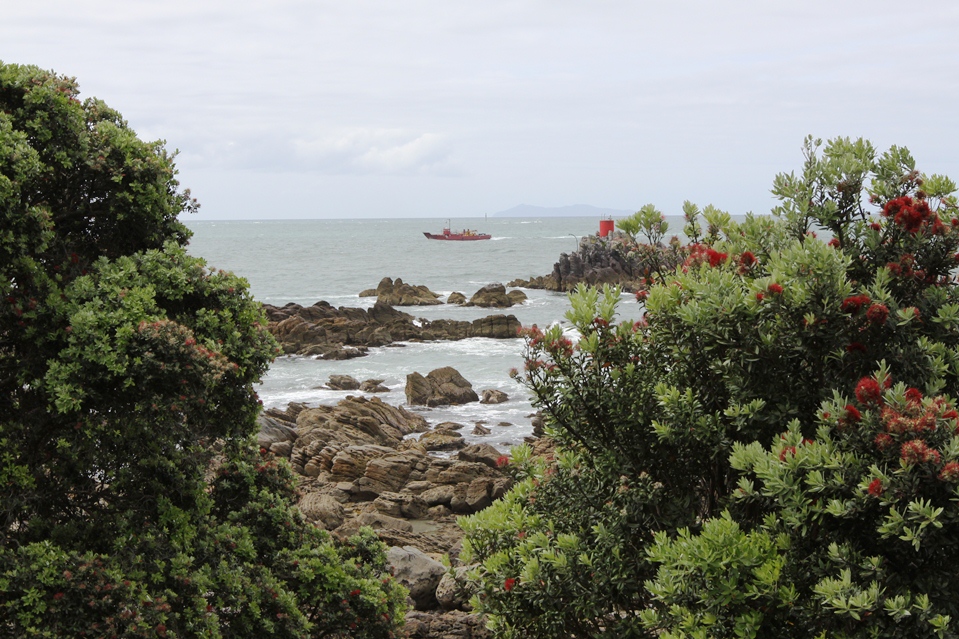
(772, 450)
(134, 502)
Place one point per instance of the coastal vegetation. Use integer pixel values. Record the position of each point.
(134, 502)
(772, 450)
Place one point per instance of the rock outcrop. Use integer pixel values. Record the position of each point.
(493, 396)
(360, 466)
(340, 333)
(495, 295)
(440, 387)
(398, 293)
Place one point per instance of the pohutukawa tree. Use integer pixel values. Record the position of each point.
(772, 450)
(133, 502)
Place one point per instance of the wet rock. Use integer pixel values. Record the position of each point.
(479, 429)
(440, 387)
(398, 293)
(342, 382)
(482, 453)
(374, 386)
(442, 440)
(456, 298)
(493, 396)
(491, 295)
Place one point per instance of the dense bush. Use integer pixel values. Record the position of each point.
(133, 501)
(713, 481)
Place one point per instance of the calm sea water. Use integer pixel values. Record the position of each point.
(304, 261)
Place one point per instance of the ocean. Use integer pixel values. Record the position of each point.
(304, 261)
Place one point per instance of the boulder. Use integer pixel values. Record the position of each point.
(440, 387)
(491, 295)
(493, 396)
(273, 430)
(342, 382)
(418, 573)
(452, 624)
(456, 298)
(442, 440)
(322, 509)
(451, 592)
(517, 296)
(374, 386)
(482, 453)
(398, 293)
(479, 429)
(401, 505)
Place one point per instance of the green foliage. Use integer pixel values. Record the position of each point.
(691, 515)
(127, 372)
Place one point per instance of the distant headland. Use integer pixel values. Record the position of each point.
(573, 210)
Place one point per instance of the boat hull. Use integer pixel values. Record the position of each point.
(457, 237)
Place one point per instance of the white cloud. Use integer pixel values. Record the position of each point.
(376, 151)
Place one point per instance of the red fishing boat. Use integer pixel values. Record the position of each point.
(466, 235)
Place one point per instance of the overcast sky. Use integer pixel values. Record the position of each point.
(443, 108)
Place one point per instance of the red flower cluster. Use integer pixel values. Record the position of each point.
(854, 303)
(877, 313)
(509, 583)
(785, 452)
(913, 215)
(875, 487)
(868, 391)
(703, 254)
(916, 451)
(950, 472)
(775, 289)
(502, 460)
(850, 416)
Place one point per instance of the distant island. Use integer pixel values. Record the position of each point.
(574, 210)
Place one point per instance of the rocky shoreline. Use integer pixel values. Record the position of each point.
(364, 462)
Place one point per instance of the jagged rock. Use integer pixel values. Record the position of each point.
(479, 494)
(479, 429)
(376, 521)
(281, 449)
(456, 298)
(448, 426)
(417, 487)
(491, 295)
(493, 396)
(324, 509)
(440, 387)
(539, 424)
(339, 333)
(504, 424)
(419, 573)
(442, 440)
(401, 505)
(438, 496)
(482, 453)
(517, 296)
(398, 293)
(273, 430)
(451, 592)
(454, 624)
(374, 386)
(342, 382)
(458, 472)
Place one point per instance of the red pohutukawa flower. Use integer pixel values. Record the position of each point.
(950, 472)
(877, 313)
(884, 441)
(868, 391)
(916, 451)
(912, 215)
(853, 303)
(785, 452)
(775, 289)
(914, 395)
(875, 487)
(851, 415)
(509, 583)
(502, 460)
